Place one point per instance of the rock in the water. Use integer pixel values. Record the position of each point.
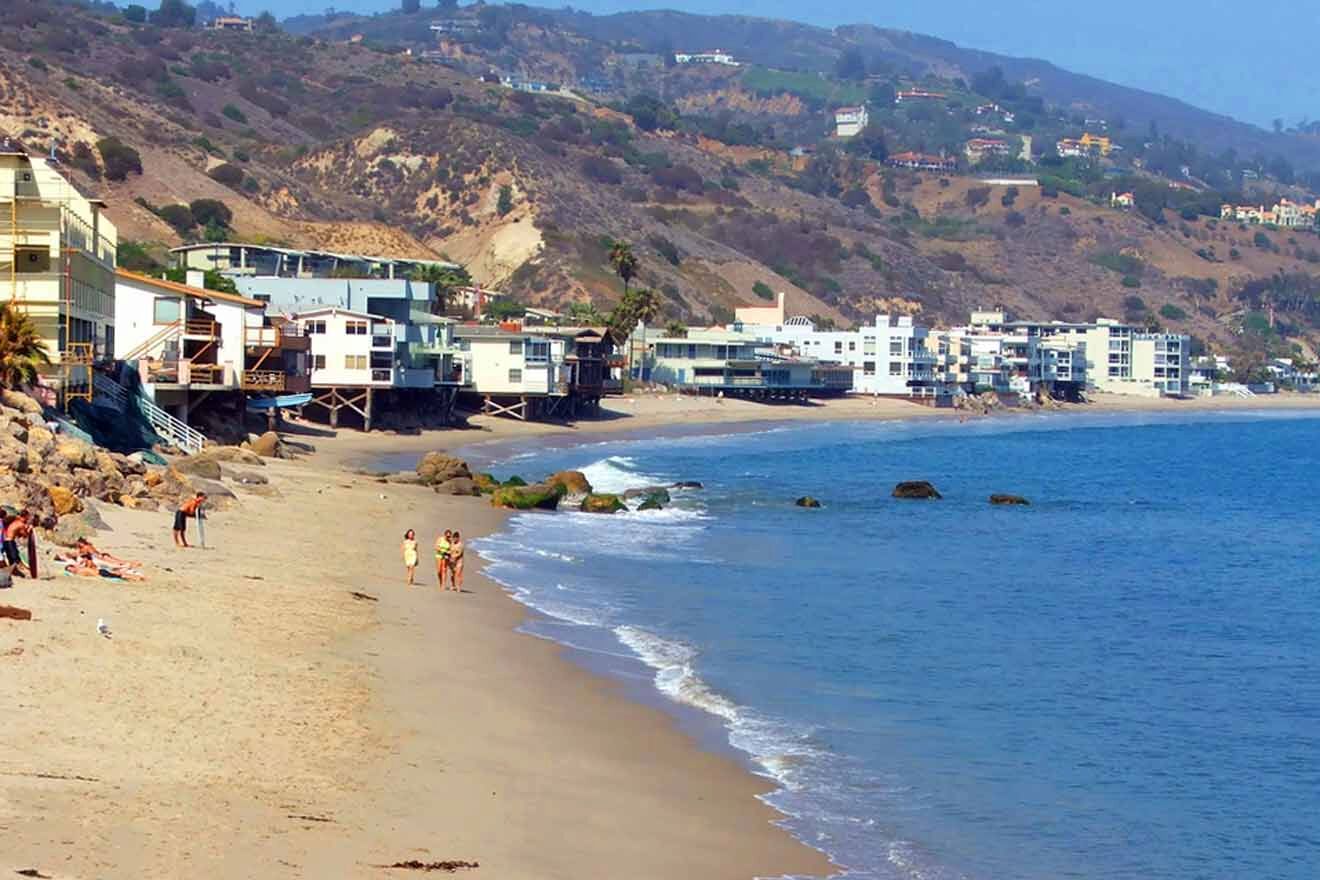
(688, 484)
(602, 503)
(21, 402)
(654, 502)
(916, 489)
(574, 482)
(807, 501)
(1009, 500)
(268, 445)
(197, 466)
(458, 486)
(659, 492)
(539, 497)
(441, 467)
(63, 500)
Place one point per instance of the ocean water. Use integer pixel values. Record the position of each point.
(1120, 681)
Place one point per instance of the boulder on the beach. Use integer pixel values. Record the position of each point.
(87, 521)
(916, 489)
(537, 497)
(602, 503)
(407, 478)
(486, 483)
(134, 502)
(218, 495)
(441, 467)
(1009, 500)
(688, 484)
(248, 478)
(233, 454)
(22, 402)
(11, 612)
(574, 482)
(458, 486)
(268, 445)
(196, 466)
(75, 453)
(63, 500)
(807, 501)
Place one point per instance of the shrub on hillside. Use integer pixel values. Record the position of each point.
(856, 198)
(601, 170)
(180, 217)
(763, 290)
(135, 13)
(85, 161)
(1172, 312)
(229, 175)
(235, 114)
(666, 249)
(136, 71)
(119, 159)
(977, 196)
(679, 177)
(208, 211)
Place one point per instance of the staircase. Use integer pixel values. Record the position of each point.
(171, 430)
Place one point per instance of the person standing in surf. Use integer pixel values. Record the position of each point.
(456, 562)
(442, 548)
(410, 554)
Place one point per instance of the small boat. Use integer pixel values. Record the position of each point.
(282, 401)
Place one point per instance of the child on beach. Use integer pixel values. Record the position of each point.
(442, 556)
(189, 508)
(410, 554)
(456, 562)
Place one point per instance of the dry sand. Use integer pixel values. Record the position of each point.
(250, 718)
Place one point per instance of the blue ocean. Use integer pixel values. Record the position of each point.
(1120, 681)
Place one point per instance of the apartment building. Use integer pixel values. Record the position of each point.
(741, 364)
(850, 121)
(57, 263)
(243, 258)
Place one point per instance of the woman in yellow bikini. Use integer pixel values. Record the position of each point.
(442, 557)
(456, 562)
(410, 554)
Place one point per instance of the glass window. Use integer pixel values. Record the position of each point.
(315, 327)
(355, 361)
(868, 368)
(515, 376)
(868, 345)
(852, 345)
(692, 352)
(895, 368)
(167, 310)
(355, 328)
(537, 352)
(838, 346)
(515, 346)
(318, 362)
(895, 347)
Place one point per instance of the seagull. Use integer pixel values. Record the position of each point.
(102, 627)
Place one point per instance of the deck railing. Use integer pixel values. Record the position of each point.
(263, 380)
(201, 327)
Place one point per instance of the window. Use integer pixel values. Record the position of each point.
(692, 352)
(868, 368)
(355, 361)
(838, 346)
(515, 376)
(515, 346)
(896, 347)
(537, 352)
(314, 327)
(895, 368)
(852, 345)
(355, 328)
(868, 345)
(318, 362)
(167, 310)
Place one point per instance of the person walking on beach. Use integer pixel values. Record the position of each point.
(17, 529)
(189, 508)
(410, 554)
(442, 557)
(456, 562)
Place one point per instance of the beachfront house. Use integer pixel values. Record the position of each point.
(738, 364)
(59, 247)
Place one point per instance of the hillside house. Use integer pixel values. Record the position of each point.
(922, 162)
(977, 149)
(1007, 116)
(233, 23)
(241, 258)
(1285, 213)
(1124, 201)
(850, 121)
(1087, 146)
(914, 95)
(57, 259)
(714, 56)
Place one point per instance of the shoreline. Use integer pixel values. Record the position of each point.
(250, 716)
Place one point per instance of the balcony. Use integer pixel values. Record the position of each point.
(261, 337)
(201, 328)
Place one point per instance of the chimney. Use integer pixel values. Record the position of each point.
(196, 278)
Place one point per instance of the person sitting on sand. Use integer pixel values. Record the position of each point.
(17, 529)
(190, 508)
(442, 548)
(456, 562)
(410, 554)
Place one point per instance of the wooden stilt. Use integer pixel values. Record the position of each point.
(366, 416)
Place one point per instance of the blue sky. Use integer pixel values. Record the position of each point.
(1196, 51)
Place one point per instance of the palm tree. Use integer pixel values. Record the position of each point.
(22, 350)
(445, 278)
(624, 262)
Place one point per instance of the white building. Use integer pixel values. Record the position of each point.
(354, 349)
(740, 364)
(850, 121)
(888, 358)
(714, 56)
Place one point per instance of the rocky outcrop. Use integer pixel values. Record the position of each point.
(24, 403)
(574, 482)
(1009, 500)
(268, 445)
(916, 489)
(441, 467)
(486, 483)
(233, 455)
(196, 466)
(63, 501)
(688, 484)
(405, 478)
(602, 503)
(807, 501)
(535, 497)
(458, 486)
(654, 502)
(647, 492)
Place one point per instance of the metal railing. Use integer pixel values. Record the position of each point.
(172, 430)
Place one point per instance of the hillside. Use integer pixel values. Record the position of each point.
(350, 144)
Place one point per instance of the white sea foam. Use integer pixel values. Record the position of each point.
(618, 473)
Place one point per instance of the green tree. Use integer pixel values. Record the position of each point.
(206, 212)
(676, 330)
(851, 65)
(175, 14)
(586, 313)
(211, 280)
(22, 350)
(624, 262)
(265, 23)
(446, 280)
(135, 13)
(505, 204)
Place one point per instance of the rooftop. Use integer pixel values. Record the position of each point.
(167, 286)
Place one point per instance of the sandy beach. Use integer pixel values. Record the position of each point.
(251, 716)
